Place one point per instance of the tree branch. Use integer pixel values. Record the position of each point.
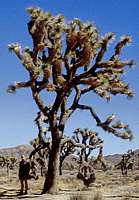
(105, 125)
(76, 98)
(17, 85)
(118, 48)
(84, 107)
(66, 113)
(38, 100)
(84, 91)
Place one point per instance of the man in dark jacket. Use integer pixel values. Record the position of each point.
(24, 170)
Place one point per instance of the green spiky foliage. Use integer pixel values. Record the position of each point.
(69, 58)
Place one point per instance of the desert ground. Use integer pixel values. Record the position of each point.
(109, 185)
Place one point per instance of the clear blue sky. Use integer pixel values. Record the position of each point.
(18, 111)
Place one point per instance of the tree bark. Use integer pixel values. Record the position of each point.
(51, 181)
(60, 167)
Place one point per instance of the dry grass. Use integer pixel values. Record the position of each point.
(70, 183)
(97, 196)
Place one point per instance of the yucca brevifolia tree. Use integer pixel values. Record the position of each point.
(68, 59)
(127, 162)
(89, 141)
(8, 162)
(100, 159)
(2, 160)
(137, 158)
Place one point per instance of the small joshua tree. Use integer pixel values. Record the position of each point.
(100, 159)
(127, 162)
(8, 162)
(68, 59)
(87, 140)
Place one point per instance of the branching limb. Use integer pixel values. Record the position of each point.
(63, 116)
(76, 98)
(38, 100)
(126, 134)
(118, 48)
(36, 150)
(116, 64)
(86, 90)
(41, 142)
(17, 85)
(84, 107)
(105, 41)
(67, 65)
(66, 113)
(26, 59)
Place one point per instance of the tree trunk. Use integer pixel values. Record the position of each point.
(51, 181)
(60, 167)
(41, 172)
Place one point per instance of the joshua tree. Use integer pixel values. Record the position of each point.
(67, 59)
(127, 162)
(100, 159)
(8, 162)
(87, 140)
(2, 161)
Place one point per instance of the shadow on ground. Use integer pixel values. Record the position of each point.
(14, 194)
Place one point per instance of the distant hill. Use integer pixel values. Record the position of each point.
(115, 158)
(26, 149)
(16, 151)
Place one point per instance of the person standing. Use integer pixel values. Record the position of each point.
(24, 170)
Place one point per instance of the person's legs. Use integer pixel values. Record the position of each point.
(22, 186)
(26, 186)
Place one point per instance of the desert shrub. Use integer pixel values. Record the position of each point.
(68, 166)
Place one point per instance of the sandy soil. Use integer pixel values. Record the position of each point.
(109, 185)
